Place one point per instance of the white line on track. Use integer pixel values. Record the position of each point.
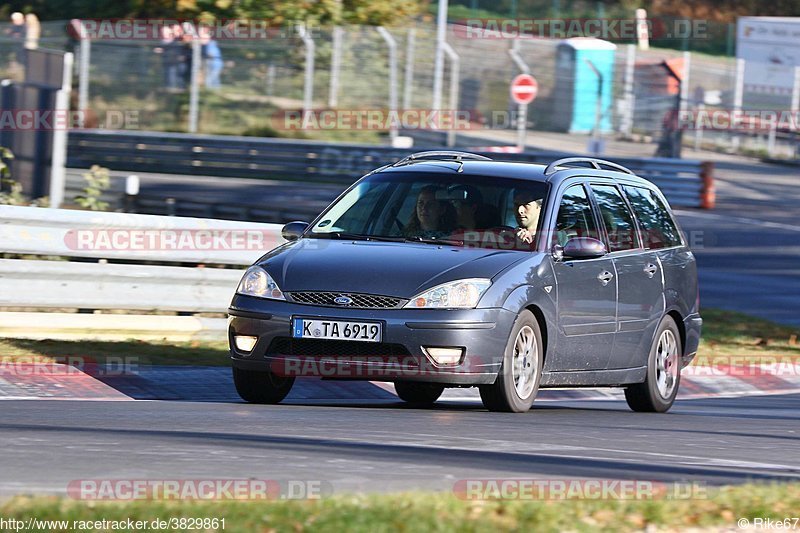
(745, 220)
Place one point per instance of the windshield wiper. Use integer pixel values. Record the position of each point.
(363, 237)
(434, 240)
(344, 235)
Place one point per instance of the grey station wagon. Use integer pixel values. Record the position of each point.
(447, 269)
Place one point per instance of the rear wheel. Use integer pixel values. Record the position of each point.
(418, 393)
(518, 380)
(261, 387)
(658, 392)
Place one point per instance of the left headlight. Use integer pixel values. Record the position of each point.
(256, 282)
(462, 293)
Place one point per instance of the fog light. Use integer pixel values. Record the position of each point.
(245, 343)
(444, 356)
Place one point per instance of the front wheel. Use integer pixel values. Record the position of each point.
(421, 394)
(518, 380)
(261, 387)
(658, 392)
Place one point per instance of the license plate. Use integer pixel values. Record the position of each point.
(307, 328)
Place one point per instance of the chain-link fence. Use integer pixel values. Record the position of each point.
(255, 82)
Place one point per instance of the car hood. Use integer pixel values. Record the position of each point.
(390, 269)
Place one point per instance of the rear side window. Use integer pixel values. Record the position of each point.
(616, 217)
(575, 217)
(658, 228)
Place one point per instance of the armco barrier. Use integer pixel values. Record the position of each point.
(685, 183)
(196, 287)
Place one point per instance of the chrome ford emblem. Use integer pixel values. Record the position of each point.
(342, 300)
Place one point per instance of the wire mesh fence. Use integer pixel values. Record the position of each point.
(248, 87)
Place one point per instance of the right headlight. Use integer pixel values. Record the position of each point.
(462, 294)
(256, 282)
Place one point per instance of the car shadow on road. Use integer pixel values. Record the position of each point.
(215, 384)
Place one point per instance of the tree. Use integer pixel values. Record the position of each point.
(276, 12)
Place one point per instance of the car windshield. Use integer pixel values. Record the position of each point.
(436, 208)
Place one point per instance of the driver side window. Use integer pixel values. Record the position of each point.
(575, 217)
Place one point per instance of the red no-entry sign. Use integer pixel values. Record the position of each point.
(524, 89)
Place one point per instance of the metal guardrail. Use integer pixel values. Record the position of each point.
(93, 244)
(685, 183)
(275, 202)
(224, 155)
(65, 285)
(91, 234)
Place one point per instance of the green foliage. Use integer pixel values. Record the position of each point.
(719, 508)
(5, 155)
(277, 12)
(14, 195)
(10, 189)
(98, 181)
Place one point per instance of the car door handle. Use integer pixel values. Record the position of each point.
(650, 270)
(605, 276)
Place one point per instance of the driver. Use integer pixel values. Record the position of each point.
(527, 210)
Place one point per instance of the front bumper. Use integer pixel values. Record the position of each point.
(483, 333)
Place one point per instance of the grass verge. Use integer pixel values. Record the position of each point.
(195, 353)
(427, 511)
(736, 335)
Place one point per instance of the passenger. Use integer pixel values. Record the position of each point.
(467, 202)
(431, 217)
(527, 209)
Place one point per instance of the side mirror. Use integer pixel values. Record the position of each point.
(293, 230)
(583, 248)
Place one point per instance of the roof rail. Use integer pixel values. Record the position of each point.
(441, 155)
(596, 164)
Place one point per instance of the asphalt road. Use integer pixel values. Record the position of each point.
(748, 247)
(383, 446)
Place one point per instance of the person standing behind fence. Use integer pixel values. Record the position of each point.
(173, 56)
(168, 64)
(33, 30)
(17, 33)
(185, 59)
(212, 57)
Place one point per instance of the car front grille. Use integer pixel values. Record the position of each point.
(362, 301)
(334, 348)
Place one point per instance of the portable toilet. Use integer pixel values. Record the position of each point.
(578, 62)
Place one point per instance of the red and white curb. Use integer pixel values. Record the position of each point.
(52, 381)
(721, 381)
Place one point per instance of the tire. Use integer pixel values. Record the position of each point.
(660, 387)
(507, 393)
(261, 387)
(421, 394)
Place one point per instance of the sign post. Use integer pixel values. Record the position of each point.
(524, 89)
